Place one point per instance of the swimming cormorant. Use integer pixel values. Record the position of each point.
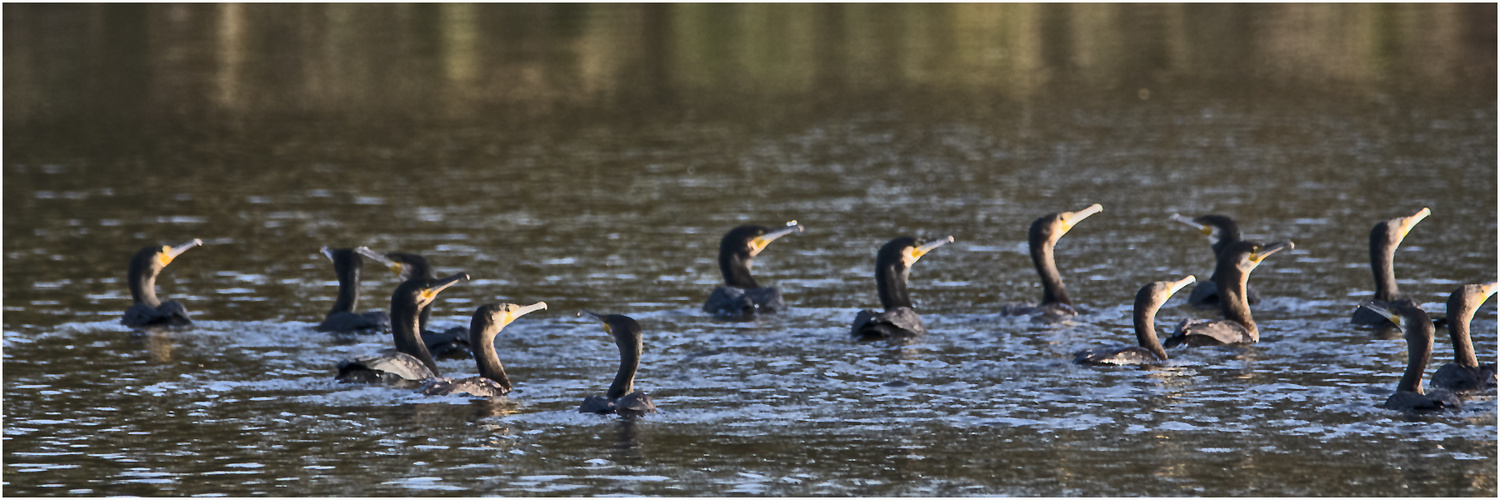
(347, 263)
(1044, 233)
(147, 310)
(488, 320)
(1384, 238)
(452, 343)
(1413, 322)
(1149, 352)
(622, 397)
(1233, 271)
(892, 266)
(741, 298)
(1465, 374)
(1221, 231)
(410, 359)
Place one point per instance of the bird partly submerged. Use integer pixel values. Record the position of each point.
(1233, 272)
(488, 320)
(741, 298)
(347, 265)
(1409, 396)
(452, 343)
(1465, 374)
(148, 310)
(409, 361)
(623, 398)
(1045, 231)
(898, 319)
(1221, 231)
(1384, 238)
(1150, 352)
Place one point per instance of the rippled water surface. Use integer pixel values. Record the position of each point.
(592, 156)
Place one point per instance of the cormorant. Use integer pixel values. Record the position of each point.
(410, 359)
(1045, 231)
(622, 397)
(147, 310)
(1233, 271)
(1384, 238)
(347, 263)
(1147, 301)
(892, 266)
(741, 298)
(1465, 374)
(488, 320)
(1413, 322)
(1221, 231)
(452, 343)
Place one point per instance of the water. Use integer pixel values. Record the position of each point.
(592, 156)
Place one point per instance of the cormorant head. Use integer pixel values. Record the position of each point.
(1246, 255)
(626, 332)
(1390, 233)
(906, 250)
(372, 255)
(1406, 315)
(496, 316)
(1216, 227)
(1049, 228)
(419, 292)
(1155, 294)
(1464, 301)
(408, 265)
(748, 241)
(156, 258)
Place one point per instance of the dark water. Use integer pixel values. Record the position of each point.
(592, 156)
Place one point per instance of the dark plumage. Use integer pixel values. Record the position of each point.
(1221, 231)
(622, 397)
(409, 360)
(1384, 238)
(347, 263)
(1409, 397)
(1044, 233)
(1150, 352)
(892, 266)
(1237, 327)
(452, 343)
(1465, 374)
(488, 320)
(741, 298)
(147, 310)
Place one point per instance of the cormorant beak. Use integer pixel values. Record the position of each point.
(1177, 285)
(432, 290)
(591, 314)
(378, 257)
(914, 253)
(327, 252)
(1385, 312)
(1408, 222)
(760, 242)
(1207, 229)
(1485, 291)
(168, 253)
(513, 311)
(1267, 250)
(1070, 219)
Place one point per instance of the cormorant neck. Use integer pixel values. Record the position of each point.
(1145, 325)
(890, 284)
(482, 339)
(1419, 352)
(1382, 253)
(1459, 316)
(630, 361)
(1231, 280)
(406, 329)
(735, 266)
(1052, 284)
(346, 267)
(142, 278)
